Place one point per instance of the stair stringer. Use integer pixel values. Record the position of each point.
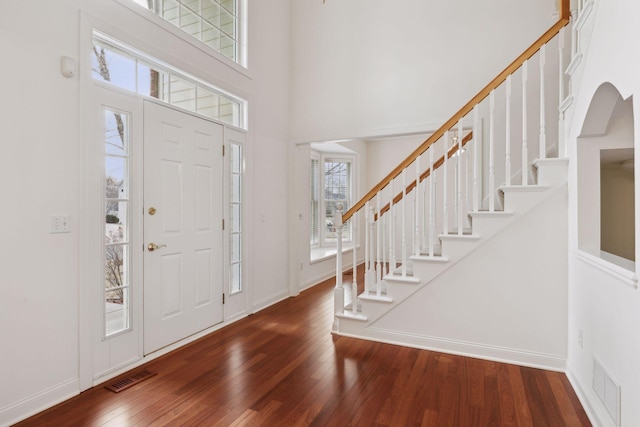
(382, 325)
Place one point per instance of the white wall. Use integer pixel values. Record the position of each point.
(41, 172)
(604, 309)
(362, 68)
(506, 300)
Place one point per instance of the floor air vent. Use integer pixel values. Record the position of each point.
(131, 380)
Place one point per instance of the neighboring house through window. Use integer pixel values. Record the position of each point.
(215, 23)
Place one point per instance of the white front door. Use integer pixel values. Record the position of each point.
(183, 195)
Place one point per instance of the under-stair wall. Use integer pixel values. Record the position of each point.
(504, 298)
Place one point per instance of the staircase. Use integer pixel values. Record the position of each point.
(465, 240)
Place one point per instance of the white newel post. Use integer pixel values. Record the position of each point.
(354, 286)
(525, 144)
(459, 210)
(543, 126)
(507, 146)
(338, 292)
(416, 204)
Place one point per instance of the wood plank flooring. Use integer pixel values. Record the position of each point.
(282, 367)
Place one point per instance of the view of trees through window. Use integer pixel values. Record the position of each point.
(116, 209)
(335, 187)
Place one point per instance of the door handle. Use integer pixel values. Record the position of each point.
(152, 247)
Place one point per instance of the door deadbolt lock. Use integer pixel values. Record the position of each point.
(152, 210)
(152, 247)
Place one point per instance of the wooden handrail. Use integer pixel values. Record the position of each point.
(452, 151)
(497, 81)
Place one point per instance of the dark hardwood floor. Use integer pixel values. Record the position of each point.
(282, 367)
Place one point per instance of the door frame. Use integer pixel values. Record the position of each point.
(91, 241)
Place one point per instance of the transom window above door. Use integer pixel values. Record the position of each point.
(128, 69)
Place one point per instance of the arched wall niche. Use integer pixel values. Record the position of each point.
(606, 190)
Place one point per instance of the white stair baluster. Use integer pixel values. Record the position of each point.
(445, 204)
(476, 158)
(525, 146)
(492, 178)
(467, 194)
(404, 223)
(432, 190)
(392, 233)
(459, 210)
(561, 140)
(543, 131)
(385, 265)
(354, 285)
(424, 216)
(370, 275)
(507, 145)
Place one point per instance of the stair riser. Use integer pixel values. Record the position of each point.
(456, 249)
(516, 201)
(551, 175)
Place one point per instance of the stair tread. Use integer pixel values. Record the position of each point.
(374, 297)
(456, 236)
(399, 278)
(484, 213)
(524, 188)
(428, 258)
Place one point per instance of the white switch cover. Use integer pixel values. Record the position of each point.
(60, 224)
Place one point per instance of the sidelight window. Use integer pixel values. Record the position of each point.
(117, 315)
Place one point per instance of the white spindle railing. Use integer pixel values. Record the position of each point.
(561, 138)
(421, 202)
(476, 158)
(542, 150)
(404, 224)
(432, 204)
(445, 180)
(525, 146)
(492, 174)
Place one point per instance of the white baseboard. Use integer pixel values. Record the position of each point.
(268, 302)
(549, 362)
(38, 402)
(584, 400)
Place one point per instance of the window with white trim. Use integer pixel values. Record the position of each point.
(116, 255)
(128, 69)
(235, 232)
(331, 184)
(215, 23)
